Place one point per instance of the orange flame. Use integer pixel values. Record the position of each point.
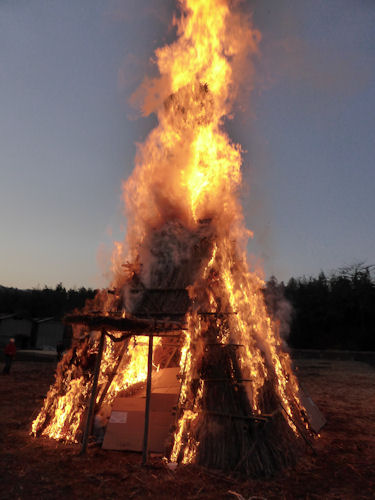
(189, 170)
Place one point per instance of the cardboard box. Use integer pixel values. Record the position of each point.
(125, 428)
(165, 381)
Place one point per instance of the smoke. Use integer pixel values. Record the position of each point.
(172, 254)
(278, 307)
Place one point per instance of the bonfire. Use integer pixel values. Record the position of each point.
(183, 268)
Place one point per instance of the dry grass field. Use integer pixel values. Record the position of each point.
(343, 466)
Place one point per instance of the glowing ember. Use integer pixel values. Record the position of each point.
(186, 230)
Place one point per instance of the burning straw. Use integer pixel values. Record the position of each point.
(239, 407)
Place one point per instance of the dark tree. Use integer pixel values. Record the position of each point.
(39, 303)
(335, 312)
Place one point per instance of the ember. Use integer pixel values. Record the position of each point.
(184, 263)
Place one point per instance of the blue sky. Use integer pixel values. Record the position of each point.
(68, 133)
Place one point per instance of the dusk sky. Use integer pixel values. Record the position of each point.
(68, 133)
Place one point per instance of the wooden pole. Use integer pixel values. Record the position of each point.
(90, 413)
(148, 395)
(112, 376)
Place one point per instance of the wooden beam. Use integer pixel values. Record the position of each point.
(111, 377)
(90, 413)
(148, 395)
(120, 324)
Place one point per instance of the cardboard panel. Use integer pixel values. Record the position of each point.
(162, 402)
(134, 403)
(125, 436)
(315, 417)
(158, 402)
(159, 430)
(125, 428)
(166, 381)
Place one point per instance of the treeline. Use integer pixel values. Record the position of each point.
(325, 312)
(45, 302)
(328, 312)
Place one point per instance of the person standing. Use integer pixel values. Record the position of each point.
(10, 353)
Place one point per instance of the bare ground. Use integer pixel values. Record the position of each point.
(342, 468)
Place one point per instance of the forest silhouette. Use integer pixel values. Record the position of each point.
(327, 312)
(335, 311)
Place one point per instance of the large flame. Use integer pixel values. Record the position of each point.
(188, 167)
(188, 170)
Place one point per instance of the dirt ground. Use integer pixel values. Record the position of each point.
(342, 468)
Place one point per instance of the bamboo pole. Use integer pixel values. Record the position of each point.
(90, 413)
(148, 395)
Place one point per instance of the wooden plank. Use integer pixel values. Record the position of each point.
(118, 323)
(148, 395)
(111, 377)
(90, 414)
